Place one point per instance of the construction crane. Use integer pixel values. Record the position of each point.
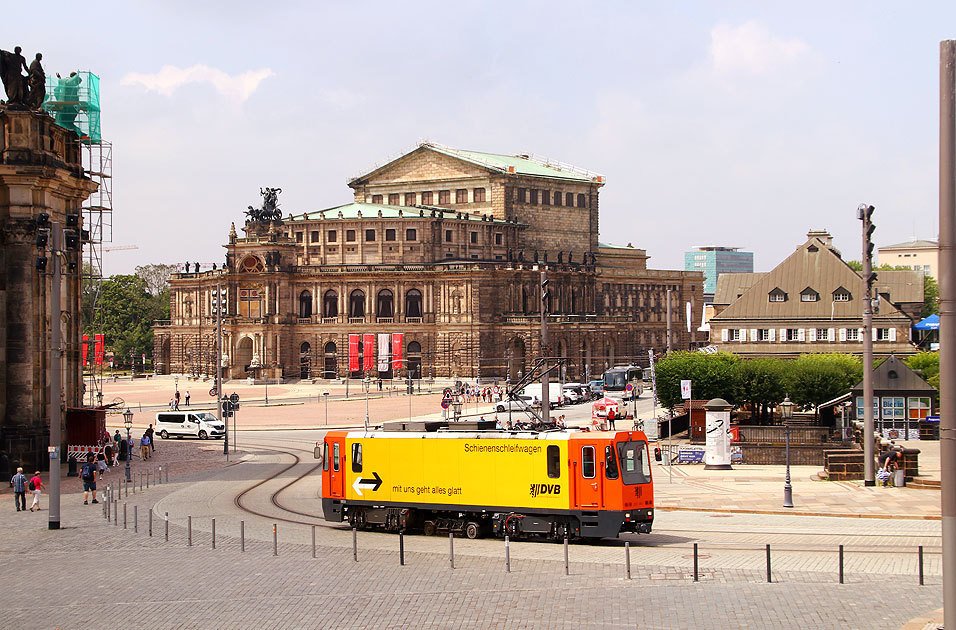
(117, 248)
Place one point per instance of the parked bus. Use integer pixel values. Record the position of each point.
(617, 378)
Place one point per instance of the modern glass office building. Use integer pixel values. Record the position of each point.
(713, 261)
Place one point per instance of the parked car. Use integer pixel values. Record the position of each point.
(597, 389)
(521, 404)
(200, 424)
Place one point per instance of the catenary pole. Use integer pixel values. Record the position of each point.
(869, 470)
(947, 321)
(545, 394)
(56, 239)
(670, 327)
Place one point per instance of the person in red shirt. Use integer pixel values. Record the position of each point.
(37, 484)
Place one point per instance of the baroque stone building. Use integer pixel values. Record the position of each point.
(40, 171)
(447, 247)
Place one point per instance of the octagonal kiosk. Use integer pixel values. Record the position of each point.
(717, 433)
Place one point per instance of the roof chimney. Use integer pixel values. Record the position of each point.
(823, 235)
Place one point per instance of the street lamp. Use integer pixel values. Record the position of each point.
(128, 423)
(786, 413)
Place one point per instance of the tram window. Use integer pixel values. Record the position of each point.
(554, 461)
(356, 457)
(325, 456)
(587, 462)
(610, 463)
(635, 464)
(335, 457)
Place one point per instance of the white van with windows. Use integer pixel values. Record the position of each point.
(201, 424)
(555, 395)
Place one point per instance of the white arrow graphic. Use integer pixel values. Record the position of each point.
(369, 484)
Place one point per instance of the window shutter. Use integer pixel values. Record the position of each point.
(813, 334)
(873, 333)
(753, 334)
(783, 334)
(892, 334)
(843, 334)
(801, 334)
(772, 334)
(723, 334)
(743, 334)
(859, 334)
(830, 336)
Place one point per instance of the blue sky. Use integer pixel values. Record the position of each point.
(735, 123)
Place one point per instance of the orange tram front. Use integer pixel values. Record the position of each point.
(441, 477)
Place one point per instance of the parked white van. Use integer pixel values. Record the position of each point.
(554, 393)
(201, 424)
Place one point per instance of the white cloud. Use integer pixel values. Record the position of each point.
(751, 48)
(169, 78)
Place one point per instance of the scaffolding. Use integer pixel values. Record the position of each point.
(74, 103)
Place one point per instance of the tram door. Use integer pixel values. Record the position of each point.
(337, 468)
(587, 486)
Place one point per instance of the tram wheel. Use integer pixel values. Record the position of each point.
(429, 528)
(472, 530)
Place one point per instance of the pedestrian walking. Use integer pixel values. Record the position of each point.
(144, 445)
(89, 479)
(152, 441)
(36, 484)
(19, 483)
(177, 400)
(187, 397)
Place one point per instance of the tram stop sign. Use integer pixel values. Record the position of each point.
(446, 400)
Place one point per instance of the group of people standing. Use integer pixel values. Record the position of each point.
(174, 401)
(476, 393)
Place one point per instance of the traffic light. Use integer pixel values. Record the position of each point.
(43, 221)
(72, 239)
(72, 220)
(226, 408)
(41, 263)
(43, 237)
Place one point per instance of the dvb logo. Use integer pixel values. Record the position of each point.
(545, 488)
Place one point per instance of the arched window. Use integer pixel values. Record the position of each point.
(305, 360)
(251, 264)
(413, 303)
(305, 304)
(414, 358)
(357, 303)
(385, 306)
(330, 304)
(331, 361)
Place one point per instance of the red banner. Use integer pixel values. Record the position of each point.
(368, 358)
(353, 353)
(98, 349)
(86, 342)
(397, 340)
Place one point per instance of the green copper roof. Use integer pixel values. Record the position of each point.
(372, 210)
(523, 164)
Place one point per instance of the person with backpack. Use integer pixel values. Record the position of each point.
(89, 479)
(19, 483)
(36, 484)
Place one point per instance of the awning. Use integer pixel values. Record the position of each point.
(930, 323)
(836, 401)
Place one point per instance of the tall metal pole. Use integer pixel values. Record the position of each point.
(56, 236)
(787, 488)
(670, 327)
(545, 395)
(947, 320)
(869, 468)
(217, 364)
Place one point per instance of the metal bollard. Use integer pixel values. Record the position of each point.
(507, 554)
(313, 541)
(147, 479)
(242, 535)
(116, 512)
(566, 568)
(109, 512)
(189, 532)
(768, 564)
(124, 515)
(140, 482)
(401, 548)
(167, 473)
(136, 519)
(134, 483)
(150, 522)
(451, 549)
(159, 479)
(213, 533)
(841, 564)
(167, 526)
(126, 484)
(921, 565)
(696, 574)
(627, 560)
(275, 540)
(354, 544)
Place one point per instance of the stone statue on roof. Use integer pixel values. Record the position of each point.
(270, 207)
(14, 83)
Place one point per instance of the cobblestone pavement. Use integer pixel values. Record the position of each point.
(171, 585)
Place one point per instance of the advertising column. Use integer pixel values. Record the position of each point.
(717, 453)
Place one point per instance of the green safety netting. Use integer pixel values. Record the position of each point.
(74, 102)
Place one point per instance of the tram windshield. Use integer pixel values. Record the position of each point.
(635, 462)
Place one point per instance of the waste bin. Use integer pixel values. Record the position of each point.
(899, 478)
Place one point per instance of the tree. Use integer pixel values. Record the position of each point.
(759, 383)
(928, 365)
(813, 379)
(711, 376)
(128, 311)
(156, 277)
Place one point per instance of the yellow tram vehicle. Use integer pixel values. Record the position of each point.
(477, 481)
